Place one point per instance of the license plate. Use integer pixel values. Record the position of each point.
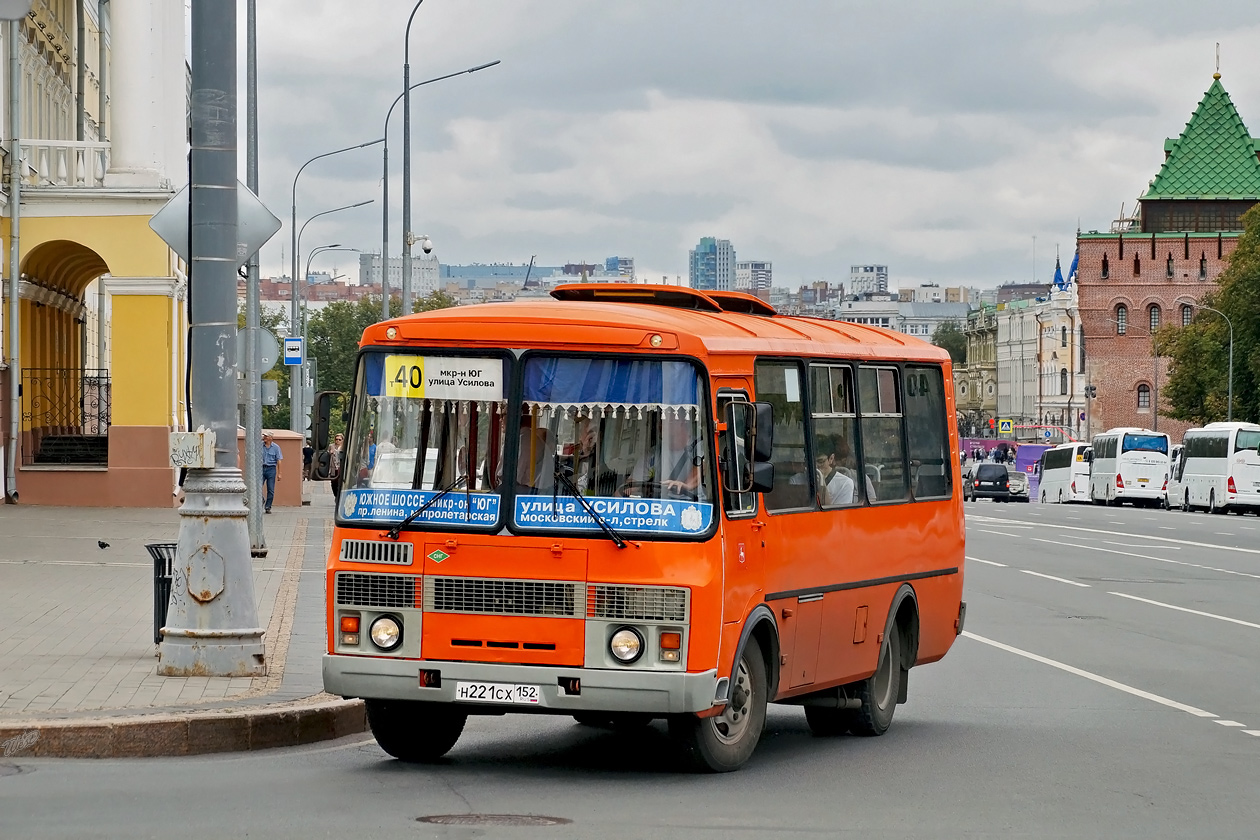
(1143, 480)
(484, 692)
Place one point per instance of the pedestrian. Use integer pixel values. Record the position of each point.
(334, 464)
(308, 457)
(272, 456)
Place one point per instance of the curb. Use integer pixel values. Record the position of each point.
(319, 718)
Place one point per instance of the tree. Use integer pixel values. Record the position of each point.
(1198, 383)
(951, 338)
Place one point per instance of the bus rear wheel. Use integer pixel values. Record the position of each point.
(412, 731)
(725, 742)
(879, 693)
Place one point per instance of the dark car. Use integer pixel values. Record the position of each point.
(988, 481)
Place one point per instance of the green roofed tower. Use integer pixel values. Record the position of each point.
(1211, 173)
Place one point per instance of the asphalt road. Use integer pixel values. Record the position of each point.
(1108, 686)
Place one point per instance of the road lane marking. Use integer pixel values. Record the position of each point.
(1164, 528)
(1147, 537)
(1251, 731)
(1229, 723)
(1187, 610)
(1052, 577)
(997, 533)
(1119, 686)
(1142, 545)
(1149, 557)
(987, 562)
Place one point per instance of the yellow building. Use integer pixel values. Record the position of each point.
(101, 299)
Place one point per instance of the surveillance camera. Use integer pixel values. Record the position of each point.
(426, 244)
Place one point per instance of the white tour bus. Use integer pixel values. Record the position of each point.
(1220, 468)
(1064, 474)
(1172, 489)
(1129, 465)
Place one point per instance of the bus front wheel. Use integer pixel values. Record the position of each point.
(725, 742)
(412, 731)
(879, 693)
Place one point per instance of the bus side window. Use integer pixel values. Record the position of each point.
(928, 439)
(736, 504)
(883, 446)
(779, 383)
(833, 427)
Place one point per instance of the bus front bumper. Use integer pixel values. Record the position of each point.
(602, 690)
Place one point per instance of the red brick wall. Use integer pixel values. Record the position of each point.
(1116, 364)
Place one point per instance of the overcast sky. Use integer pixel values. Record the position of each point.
(936, 137)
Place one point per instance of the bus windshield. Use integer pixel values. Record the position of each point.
(631, 435)
(422, 425)
(1145, 443)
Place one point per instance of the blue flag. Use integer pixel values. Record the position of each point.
(1076, 258)
(1058, 274)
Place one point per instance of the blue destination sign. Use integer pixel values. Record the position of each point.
(395, 505)
(654, 516)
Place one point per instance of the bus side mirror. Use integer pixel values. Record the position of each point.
(321, 412)
(1089, 456)
(746, 467)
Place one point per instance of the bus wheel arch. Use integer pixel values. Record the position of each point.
(903, 617)
(760, 625)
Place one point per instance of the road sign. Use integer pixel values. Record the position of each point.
(255, 224)
(14, 9)
(268, 349)
(294, 351)
(1005, 427)
(1047, 433)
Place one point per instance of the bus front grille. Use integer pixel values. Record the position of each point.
(637, 603)
(376, 551)
(367, 590)
(491, 596)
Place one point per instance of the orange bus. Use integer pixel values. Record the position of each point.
(642, 502)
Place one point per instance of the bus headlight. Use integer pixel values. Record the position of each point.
(626, 645)
(386, 632)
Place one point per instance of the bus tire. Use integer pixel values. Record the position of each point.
(1043, 497)
(879, 692)
(413, 731)
(1185, 506)
(725, 742)
(1212, 508)
(1060, 497)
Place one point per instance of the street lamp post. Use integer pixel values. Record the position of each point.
(296, 383)
(385, 182)
(295, 396)
(1229, 401)
(406, 226)
(306, 285)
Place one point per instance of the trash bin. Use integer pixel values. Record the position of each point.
(163, 555)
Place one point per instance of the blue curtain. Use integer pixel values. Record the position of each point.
(570, 380)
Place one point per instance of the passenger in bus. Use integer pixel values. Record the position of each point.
(682, 474)
(835, 487)
(535, 459)
(846, 462)
(589, 474)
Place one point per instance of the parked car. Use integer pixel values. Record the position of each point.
(1018, 486)
(988, 481)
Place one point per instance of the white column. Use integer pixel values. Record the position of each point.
(147, 93)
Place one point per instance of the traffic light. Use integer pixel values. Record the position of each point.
(992, 422)
(1091, 391)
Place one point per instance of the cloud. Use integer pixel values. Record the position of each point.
(938, 138)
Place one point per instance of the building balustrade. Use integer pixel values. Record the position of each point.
(64, 163)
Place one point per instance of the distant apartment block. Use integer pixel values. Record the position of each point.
(711, 266)
(424, 273)
(865, 279)
(753, 276)
(619, 267)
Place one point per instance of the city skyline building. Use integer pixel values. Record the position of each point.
(868, 279)
(754, 276)
(711, 265)
(424, 273)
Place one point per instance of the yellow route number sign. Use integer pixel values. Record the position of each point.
(404, 376)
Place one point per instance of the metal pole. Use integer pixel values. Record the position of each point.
(80, 79)
(385, 225)
(406, 231)
(212, 628)
(102, 71)
(1229, 388)
(15, 259)
(253, 375)
(295, 321)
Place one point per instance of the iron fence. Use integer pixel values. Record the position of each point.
(66, 415)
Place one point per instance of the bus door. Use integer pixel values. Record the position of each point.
(743, 527)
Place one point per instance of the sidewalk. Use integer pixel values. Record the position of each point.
(77, 660)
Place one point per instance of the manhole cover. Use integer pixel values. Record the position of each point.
(492, 819)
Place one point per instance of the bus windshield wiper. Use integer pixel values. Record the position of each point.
(393, 533)
(563, 479)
